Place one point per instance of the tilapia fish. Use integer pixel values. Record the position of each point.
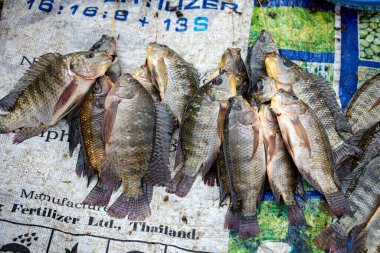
(144, 77)
(245, 162)
(50, 89)
(256, 59)
(92, 153)
(176, 79)
(368, 240)
(232, 63)
(370, 144)
(363, 203)
(309, 147)
(293, 79)
(108, 43)
(199, 133)
(282, 173)
(363, 111)
(137, 136)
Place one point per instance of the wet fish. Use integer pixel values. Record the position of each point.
(245, 162)
(176, 79)
(256, 59)
(232, 63)
(363, 110)
(49, 90)
(92, 153)
(144, 77)
(137, 136)
(309, 147)
(108, 43)
(199, 140)
(363, 203)
(282, 173)
(224, 186)
(368, 241)
(293, 79)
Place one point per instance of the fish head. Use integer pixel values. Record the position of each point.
(142, 73)
(266, 43)
(102, 86)
(223, 87)
(106, 43)
(282, 70)
(231, 61)
(284, 103)
(241, 111)
(125, 88)
(90, 65)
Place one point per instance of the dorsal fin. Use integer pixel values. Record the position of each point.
(8, 102)
(328, 95)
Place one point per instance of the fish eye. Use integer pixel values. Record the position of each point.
(97, 88)
(287, 63)
(238, 107)
(294, 97)
(90, 55)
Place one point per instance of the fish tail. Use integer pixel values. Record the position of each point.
(249, 227)
(295, 215)
(137, 208)
(338, 203)
(232, 219)
(344, 152)
(331, 240)
(181, 184)
(359, 245)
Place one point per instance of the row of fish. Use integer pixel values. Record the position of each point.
(242, 124)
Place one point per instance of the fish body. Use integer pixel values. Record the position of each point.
(368, 241)
(280, 167)
(144, 77)
(245, 162)
(175, 79)
(293, 79)
(256, 59)
(199, 137)
(132, 133)
(232, 63)
(309, 147)
(363, 203)
(363, 110)
(51, 88)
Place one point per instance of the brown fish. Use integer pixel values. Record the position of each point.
(368, 241)
(363, 110)
(137, 136)
(363, 203)
(176, 79)
(293, 79)
(199, 133)
(50, 89)
(280, 167)
(309, 147)
(245, 162)
(144, 77)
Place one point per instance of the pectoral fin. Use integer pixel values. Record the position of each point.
(109, 119)
(301, 133)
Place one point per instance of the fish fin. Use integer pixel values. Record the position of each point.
(9, 101)
(179, 157)
(301, 133)
(349, 183)
(158, 172)
(136, 208)
(359, 244)
(377, 103)
(295, 215)
(208, 176)
(223, 193)
(300, 190)
(343, 152)
(99, 196)
(148, 190)
(27, 133)
(109, 119)
(231, 220)
(338, 203)
(115, 71)
(161, 68)
(82, 167)
(286, 138)
(256, 140)
(66, 94)
(271, 147)
(181, 184)
(74, 131)
(328, 95)
(211, 177)
(248, 227)
(331, 240)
